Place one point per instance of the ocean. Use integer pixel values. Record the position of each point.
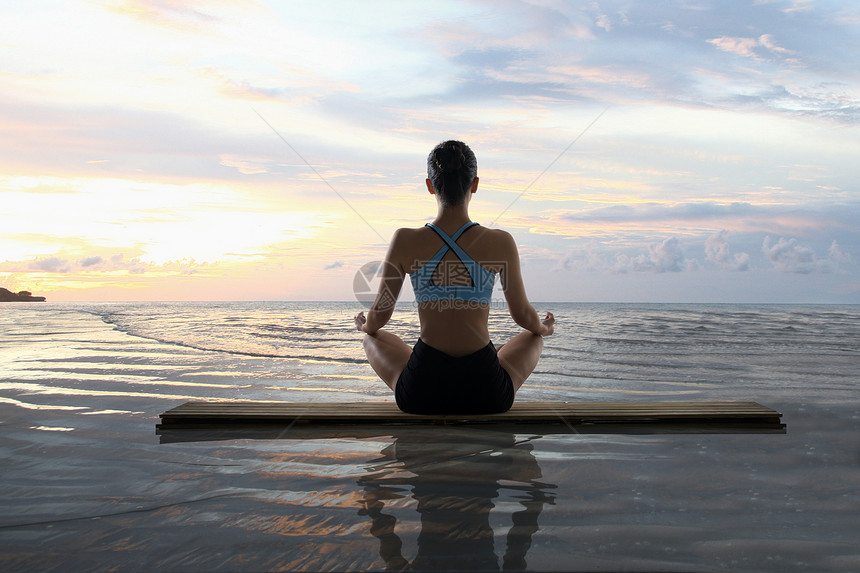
(87, 483)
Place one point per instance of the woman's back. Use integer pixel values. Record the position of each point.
(456, 326)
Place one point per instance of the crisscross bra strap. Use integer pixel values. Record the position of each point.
(452, 241)
(481, 289)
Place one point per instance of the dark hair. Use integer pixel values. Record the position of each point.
(451, 169)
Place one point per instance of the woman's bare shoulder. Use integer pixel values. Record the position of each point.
(411, 230)
(409, 234)
(499, 234)
(489, 246)
(498, 238)
(406, 240)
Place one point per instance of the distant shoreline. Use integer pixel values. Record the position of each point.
(24, 296)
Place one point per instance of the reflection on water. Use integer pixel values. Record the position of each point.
(472, 497)
(454, 484)
(462, 491)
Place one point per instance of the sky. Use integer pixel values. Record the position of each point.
(674, 151)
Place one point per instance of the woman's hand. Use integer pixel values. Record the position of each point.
(360, 321)
(548, 324)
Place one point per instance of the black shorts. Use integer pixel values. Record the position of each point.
(436, 383)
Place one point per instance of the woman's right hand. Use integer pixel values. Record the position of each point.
(360, 321)
(548, 324)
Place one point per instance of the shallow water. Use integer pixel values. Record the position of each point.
(87, 484)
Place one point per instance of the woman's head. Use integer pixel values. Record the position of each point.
(451, 169)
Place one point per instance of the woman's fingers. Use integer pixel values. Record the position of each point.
(359, 320)
(549, 323)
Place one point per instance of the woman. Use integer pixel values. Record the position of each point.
(453, 368)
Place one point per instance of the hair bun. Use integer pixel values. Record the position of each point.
(449, 158)
(451, 170)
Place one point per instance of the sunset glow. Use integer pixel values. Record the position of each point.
(165, 150)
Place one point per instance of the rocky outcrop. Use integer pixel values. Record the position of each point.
(23, 296)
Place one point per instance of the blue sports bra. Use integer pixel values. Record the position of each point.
(481, 289)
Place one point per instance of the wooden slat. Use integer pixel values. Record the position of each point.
(174, 433)
(377, 412)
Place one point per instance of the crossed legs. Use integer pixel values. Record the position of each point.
(520, 355)
(388, 355)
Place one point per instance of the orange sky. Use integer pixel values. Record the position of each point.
(157, 150)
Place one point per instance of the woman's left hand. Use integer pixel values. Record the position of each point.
(360, 321)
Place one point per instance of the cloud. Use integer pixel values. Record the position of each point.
(737, 46)
(717, 251)
(789, 256)
(799, 6)
(603, 21)
(749, 47)
(93, 264)
(243, 165)
(666, 256)
(168, 13)
(659, 212)
(334, 265)
(134, 266)
(51, 265)
(705, 217)
(836, 255)
(90, 261)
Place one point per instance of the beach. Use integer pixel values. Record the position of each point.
(89, 484)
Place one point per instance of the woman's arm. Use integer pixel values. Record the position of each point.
(389, 290)
(521, 310)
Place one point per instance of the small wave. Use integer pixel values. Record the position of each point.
(111, 318)
(31, 406)
(95, 412)
(69, 391)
